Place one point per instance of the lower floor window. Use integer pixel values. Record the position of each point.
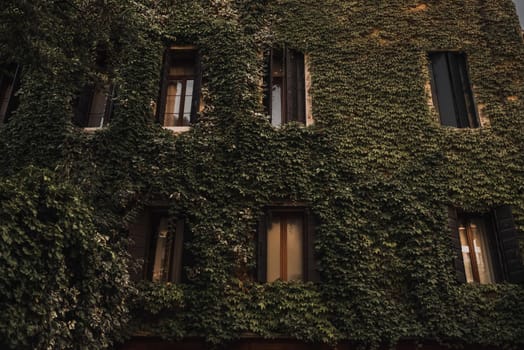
(165, 260)
(477, 250)
(486, 246)
(285, 245)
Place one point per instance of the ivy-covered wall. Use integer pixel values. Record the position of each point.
(376, 168)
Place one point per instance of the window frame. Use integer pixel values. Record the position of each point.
(294, 106)
(501, 236)
(196, 101)
(456, 63)
(309, 268)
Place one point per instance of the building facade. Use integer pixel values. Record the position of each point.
(293, 174)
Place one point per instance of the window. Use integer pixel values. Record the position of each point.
(285, 96)
(519, 4)
(487, 246)
(180, 90)
(158, 242)
(451, 90)
(8, 84)
(94, 106)
(285, 245)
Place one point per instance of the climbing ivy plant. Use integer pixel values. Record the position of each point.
(376, 168)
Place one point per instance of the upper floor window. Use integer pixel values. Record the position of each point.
(285, 245)
(158, 241)
(285, 95)
(487, 246)
(451, 90)
(8, 83)
(180, 90)
(94, 106)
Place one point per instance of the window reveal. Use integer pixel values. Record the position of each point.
(285, 96)
(451, 90)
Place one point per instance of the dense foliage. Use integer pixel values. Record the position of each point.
(376, 169)
(61, 281)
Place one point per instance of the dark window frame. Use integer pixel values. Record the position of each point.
(292, 81)
(170, 55)
(309, 267)
(451, 89)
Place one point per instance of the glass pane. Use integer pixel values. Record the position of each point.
(97, 109)
(465, 254)
(276, 104)
(482, 252)
(273, 250)
(295, 237)
(160, 267)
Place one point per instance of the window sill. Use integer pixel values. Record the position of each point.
(177, 129)
(91, 130)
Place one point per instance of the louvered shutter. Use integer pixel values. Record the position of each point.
(458, 261)
(508, 241)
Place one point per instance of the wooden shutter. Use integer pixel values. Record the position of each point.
(295, 86)
(311, 271)
(508, 241)
(458, 261)
(195, 103)
(83, 104)
(161, 110)
(442, 89)
(262, 249)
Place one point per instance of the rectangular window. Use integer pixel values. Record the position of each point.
(158, 245)
(8, 83)
(285, 96)
(478, 251)
(285, 245)
(180, 91)
(164, 263)
(94, 106)
(486, 246)
(451, 90)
